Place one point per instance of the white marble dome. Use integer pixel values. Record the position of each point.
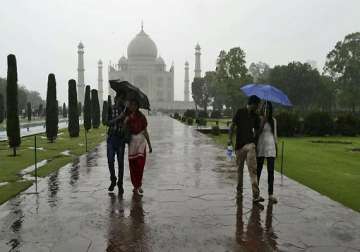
(142, 46)
(160, 61)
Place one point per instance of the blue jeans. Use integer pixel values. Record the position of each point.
(115, 146)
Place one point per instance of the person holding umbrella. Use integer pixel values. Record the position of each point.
(247, 124)
(266, 147)
(137, 124)
(115, 141)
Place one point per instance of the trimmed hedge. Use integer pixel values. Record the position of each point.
(215, 130)
(288, 124)
(190, 121)
(347, 125)
(201, 121)
(319, 124)
(190, 113)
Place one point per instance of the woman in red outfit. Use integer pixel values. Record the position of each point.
(137, 124)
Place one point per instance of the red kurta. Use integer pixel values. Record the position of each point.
(137, 123)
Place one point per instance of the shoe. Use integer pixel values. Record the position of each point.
(121, 190)
(112, 186)
(258, 199)
(273, 199)
(120, 187)
(138, 191)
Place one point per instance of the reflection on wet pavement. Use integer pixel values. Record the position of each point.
(189, 204)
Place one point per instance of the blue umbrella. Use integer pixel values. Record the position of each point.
(267, 92)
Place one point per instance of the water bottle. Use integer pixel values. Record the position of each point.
(229, 152)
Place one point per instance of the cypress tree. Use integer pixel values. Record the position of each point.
(28, 111)
(2, 108)
(64, 111)
(87, 109)
(52, 117)
(95, 109)
(40, 110)
(104, 115)
(73, 126)
(12, 115)
(79, 108)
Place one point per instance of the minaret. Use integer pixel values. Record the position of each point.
(186, 82)
(197, 61)
(100, 84)
(81, 70)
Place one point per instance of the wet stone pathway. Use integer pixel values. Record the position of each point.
(189, 205)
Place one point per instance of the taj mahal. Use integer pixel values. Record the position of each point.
(144, 68)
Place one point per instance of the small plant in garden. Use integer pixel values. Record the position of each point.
(215, 130)
(190, 121)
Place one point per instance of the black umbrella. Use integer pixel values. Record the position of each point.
(131, 92)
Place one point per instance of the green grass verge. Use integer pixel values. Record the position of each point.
(329, 168)
(12, 189)
(53, 165)
(10, 166)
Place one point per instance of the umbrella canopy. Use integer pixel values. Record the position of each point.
(131, 92)
(267, 92)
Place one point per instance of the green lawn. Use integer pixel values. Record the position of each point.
(10, 166)
(222, 122)
(329, 168)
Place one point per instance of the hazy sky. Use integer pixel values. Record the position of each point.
(44, 34)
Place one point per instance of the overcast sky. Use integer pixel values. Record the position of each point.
(44, 34)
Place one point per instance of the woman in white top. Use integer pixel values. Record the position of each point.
(266, 147)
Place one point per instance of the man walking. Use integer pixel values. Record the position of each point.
(115, 141)
(247, 124)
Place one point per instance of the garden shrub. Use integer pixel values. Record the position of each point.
(347, 125)
(215, 130)
(190, 113)
(190, 121)
(318, 124)
(288, 123)
(203, 114)
(183, 119)
(201, 121)
(216, 114)
(176, 116)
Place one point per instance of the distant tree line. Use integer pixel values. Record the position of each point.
(336, 88)
(24, 96)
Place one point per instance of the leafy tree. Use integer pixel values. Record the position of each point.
(259, 71)
(343, 64)
(73, 126)
(52, 117)
(24, 96)
(95, 109)
(64, 110)
(87, 109)
(29, 111)
(2, 108)
(299, 81)
(12, 115)
(216, 94)
(200, 93)
(104, 115)
(231, 74)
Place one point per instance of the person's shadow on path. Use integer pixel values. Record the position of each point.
(126, 233)
(255, 238)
